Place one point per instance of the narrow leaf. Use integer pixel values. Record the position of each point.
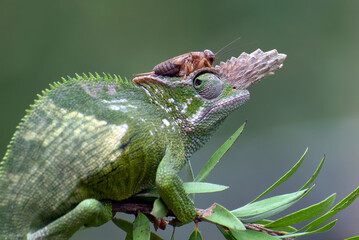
(219, 215)
(314, 175)
(173, 234)
(334, 210)
(265, 215)
(266, 205)
(304, 214)
(282, 229)
(201, 187)
(141, 228)
(190, 188)
(353, 238)
(274, 211)
(190, 176)
(212, 162)
(195, 235)
(148, 193)
(159, 209)
(323, 229)
(189, 171)
(128, 228)
(226, 233)
(155, 236)
(252, 235)
(129, 236)
(123, 224)
(285, 177)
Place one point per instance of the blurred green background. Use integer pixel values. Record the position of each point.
(312, 101)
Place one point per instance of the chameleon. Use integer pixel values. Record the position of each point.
(92, 139)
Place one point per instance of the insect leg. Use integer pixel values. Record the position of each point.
(188, 68)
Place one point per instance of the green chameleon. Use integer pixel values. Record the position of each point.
(91, 139)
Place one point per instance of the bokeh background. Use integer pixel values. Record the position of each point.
(312, 101)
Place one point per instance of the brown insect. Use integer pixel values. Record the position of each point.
(183, 65)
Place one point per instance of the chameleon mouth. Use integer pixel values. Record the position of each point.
(223, 107)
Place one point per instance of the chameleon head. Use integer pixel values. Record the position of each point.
(208, 95)
(223, 89)
(215, 99)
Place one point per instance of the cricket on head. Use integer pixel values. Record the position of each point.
(240, 72)
(183, 65)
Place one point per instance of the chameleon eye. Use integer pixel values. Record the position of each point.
(208, 85)
(197, 82)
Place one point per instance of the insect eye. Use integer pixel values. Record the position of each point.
(208, 85)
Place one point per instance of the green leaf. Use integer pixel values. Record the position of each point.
(124, 225)
(219, 215)
(266, 205)
(189, 176)
(195, 235)
(159, 209)
(189, 171)
(252, 235)
(155, 236)
(281, 229)
(190, 188)
(148, 193)
(353, 238)
(212, 162)
(285, 177)
(265, 215)
(334, 210)
(201, 187)
(128, 228)
(226, 233)
(129, 236)
(304, 214)
(141, 228)
(274, 211)
(173, 234)
(323, 229)
(314, 176)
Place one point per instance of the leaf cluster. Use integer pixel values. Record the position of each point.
(251, 221)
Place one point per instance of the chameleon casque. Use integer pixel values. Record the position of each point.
(93, 139)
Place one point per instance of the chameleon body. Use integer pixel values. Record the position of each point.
(90, 140)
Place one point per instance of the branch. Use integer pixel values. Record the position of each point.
(133, 206)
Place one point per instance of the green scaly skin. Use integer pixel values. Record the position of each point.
(90, 140)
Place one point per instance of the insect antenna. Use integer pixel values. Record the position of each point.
(233, 41)
(232, 49)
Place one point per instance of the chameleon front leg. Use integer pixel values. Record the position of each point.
(88, 213)
(170, 186)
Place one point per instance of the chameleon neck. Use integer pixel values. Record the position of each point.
(183, 104)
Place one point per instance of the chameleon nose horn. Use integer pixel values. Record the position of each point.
(248, 69)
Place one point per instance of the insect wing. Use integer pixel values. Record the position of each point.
(171, 67)
(181, 59)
